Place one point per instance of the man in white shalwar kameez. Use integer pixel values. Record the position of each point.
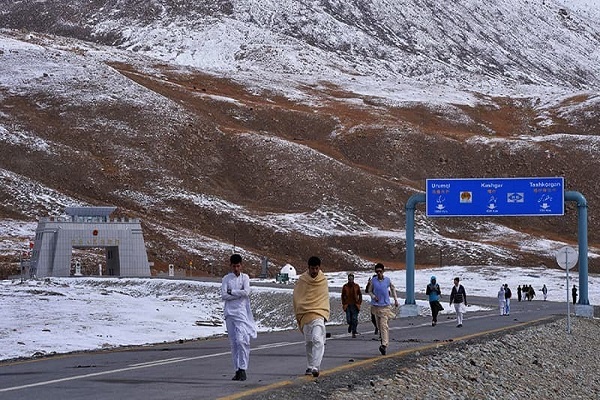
(502, 300)
(235, 291)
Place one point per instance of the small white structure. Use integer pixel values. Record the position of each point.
(289, 270)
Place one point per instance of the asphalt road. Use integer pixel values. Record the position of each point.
(202, 369)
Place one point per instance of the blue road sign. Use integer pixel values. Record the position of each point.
(497, 197)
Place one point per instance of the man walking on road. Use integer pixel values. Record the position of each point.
(381, 288)
(545, 292)
(507, 295)
(459, 298)
(235, 291)
(311, 306)
(351, 301)
(368, 289)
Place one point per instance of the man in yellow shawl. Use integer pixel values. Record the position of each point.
(311, 306)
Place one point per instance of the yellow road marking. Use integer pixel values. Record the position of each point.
(345, 367)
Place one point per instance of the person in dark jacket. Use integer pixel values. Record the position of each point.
(574, 294)
(530, 292)
(458, 297)
(434, 292)
(545, 292)
(507, 295)
(351, 301)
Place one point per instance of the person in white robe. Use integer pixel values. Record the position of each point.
(235, 291)
(502, 300)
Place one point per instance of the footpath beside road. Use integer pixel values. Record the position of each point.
(202, 369)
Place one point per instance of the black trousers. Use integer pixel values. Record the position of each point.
(436, 307)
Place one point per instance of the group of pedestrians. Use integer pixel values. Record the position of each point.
(527, 292)
(458, 298)
(311, 309)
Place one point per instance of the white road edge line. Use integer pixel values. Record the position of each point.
(167, 361)
(141, 366)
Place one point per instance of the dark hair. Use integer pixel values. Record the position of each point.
(235, 259)
(379, 266)
(314, 261)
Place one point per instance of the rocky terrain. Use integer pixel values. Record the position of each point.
(285, 129)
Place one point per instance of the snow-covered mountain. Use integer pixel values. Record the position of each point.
(288, 128)
(462, 43)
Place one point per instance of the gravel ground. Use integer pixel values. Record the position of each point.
(541, 361)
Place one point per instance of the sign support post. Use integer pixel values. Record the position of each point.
(566, 257)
